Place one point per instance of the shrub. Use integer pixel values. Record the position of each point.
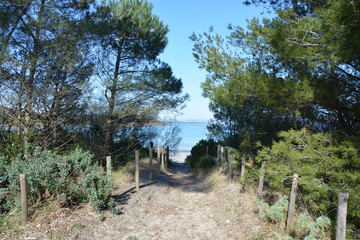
(11, 145)
(202, 162)
(325, 166)
(313, 229)
(71, 178)
(198, 159)
(276, 212)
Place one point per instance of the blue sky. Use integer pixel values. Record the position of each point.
(185, 17)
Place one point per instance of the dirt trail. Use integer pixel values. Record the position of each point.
(176, 205)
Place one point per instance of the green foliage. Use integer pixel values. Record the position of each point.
(198, 159)
(71, 178)
(101, 218)
(247, 96)
(49, 47)
(79, 226)
(46, 63)
(137, 85)
(276, 212)
(325, 167)
(203, 162)
(11, 145)
(299, 68)
(313, 229)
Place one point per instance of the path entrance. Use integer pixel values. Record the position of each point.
(176, 205)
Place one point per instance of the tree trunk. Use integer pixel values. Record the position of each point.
(29, 83)
(111, 116)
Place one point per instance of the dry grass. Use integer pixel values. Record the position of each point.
(177, 206)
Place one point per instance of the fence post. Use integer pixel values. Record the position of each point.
(261, 180)
(221, 156)
(291, 209)
(230, 156)
(207, 151)
(218, 155)
(226, 166)
(341, 216)
(242, 175)
(162, 159)
(167, 152)
(158, 159)
(150, 163)
(108, 166)
(24, 203)
(224, 159)
(137, 170)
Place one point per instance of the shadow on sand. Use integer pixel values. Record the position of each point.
(177, 175)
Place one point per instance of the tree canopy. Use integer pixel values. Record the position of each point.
(286, 90)
(300, 67)
(66, 65)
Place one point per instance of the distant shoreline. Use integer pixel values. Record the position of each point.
(189, 122)
(169, 123)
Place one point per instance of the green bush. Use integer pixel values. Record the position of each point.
(325, 167)
(198, 159)
(276, 212)
(11, 145)
(71, 178)
(313, 229)
(202, 162)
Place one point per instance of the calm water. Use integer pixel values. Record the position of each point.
(190, 134)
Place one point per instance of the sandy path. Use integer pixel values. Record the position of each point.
(176, 205)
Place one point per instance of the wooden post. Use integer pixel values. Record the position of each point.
(163, 158)
(108, 166)
(24, 203)
(230, 156)
(221, 156)
(207, 151)
(225, 159)
(167, 152)
(150, 163)
(261, 180)
(341, 216)
(242, 175)
(158, 159)
(137, 170)
(291, 209)
(218, 155)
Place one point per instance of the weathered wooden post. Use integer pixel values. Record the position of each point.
(163, 158)
(261, 180)
(222, 150)
(150, 163)
(291, 209)
(341, 216)
(207, 151)
(24, 203)
(225, 165)
(230, 169)
(232, 162)
(167, 152)
(242, 175)
(158, 159)
(108, 166)
(137, 170)
(218, 155)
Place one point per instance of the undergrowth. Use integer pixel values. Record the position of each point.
(71, 179)
(274, 213)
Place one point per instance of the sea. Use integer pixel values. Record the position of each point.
(190, 134)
